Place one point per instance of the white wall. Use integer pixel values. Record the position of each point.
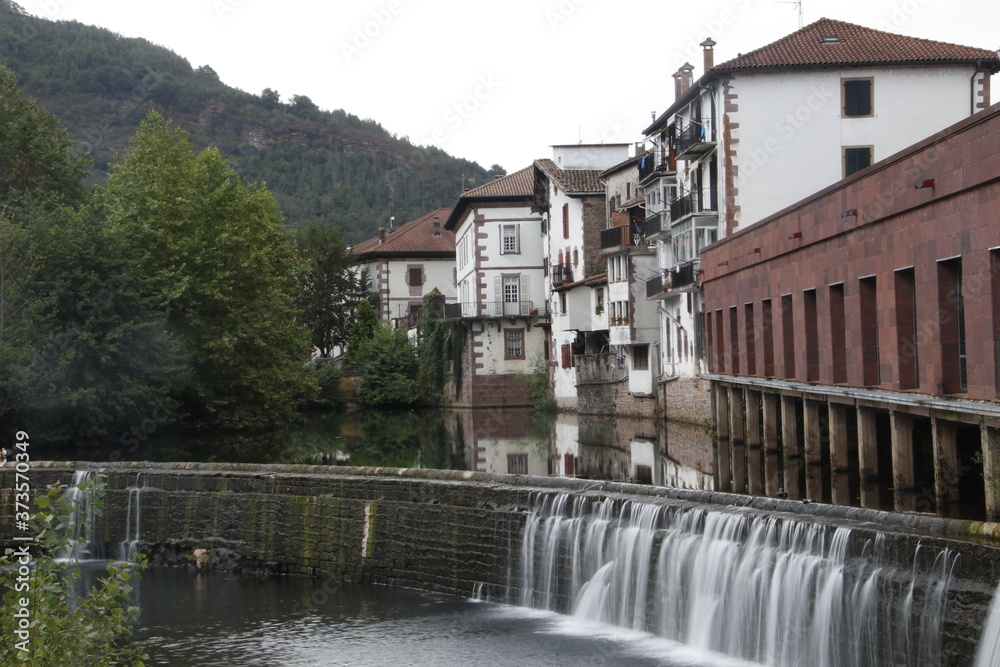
(791, 132)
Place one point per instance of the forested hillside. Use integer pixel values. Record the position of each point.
(330, 167)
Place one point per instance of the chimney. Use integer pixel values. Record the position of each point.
(437, 226)
(682, 79)
(709, 46)
(381, 235)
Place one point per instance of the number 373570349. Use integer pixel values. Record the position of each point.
(22, 486)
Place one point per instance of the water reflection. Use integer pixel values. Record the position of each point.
(517, 441)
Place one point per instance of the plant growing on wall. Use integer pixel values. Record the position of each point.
(65, 631)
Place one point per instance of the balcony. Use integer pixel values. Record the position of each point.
(657, 225)
(494, 310)
(693, 203)
(562, 274)
(656, 287)
(695, 140)
(685, 276)
(649, 169)
(622, 237)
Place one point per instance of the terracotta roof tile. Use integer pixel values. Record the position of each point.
(414, 239)
(829, 42)
(512, 185)
(573, 181)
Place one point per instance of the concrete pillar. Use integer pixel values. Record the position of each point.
(772, 424)
(792, 447)
(903, 492)
(944, 436)
(755, 465)
(737, 431)
(990, 443)
(813, 449)
(839, 455)
(723, 461)
(868, 458)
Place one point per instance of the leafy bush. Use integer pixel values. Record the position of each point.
(388, 365)
(65, 631)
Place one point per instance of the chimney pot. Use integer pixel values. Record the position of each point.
(709, 46)
(683, 79)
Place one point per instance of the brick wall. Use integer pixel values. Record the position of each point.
(866, 232)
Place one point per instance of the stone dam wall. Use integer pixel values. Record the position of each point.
(443, 531)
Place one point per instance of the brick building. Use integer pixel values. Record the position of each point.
(853, 338)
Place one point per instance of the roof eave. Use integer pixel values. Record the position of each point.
(692, 92)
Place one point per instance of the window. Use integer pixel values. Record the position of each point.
(513, 344)
(812, 334)
(415, 276)
(567, 355)
(511, 295)
(951, 306)
(517, 464)
(856, 158)
(640, 357)
(906, 329)
(871, 373)
(857, 97)
(510, 244)
(600, 297)
(838, 333)
(565, 220)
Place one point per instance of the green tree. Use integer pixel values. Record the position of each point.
(388, 365)
(64, 630)
(331, 288)
(365, 323)
(435, 345)
(222, 268)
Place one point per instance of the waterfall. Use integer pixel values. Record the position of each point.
(81, 522)
(774, 589)
(988, 654)
(128, 548)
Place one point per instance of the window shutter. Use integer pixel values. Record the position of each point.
(497, 296)
(565, 216)
(517, 239)
(525, 295)
(566, 358)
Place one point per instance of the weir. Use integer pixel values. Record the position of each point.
(769, 581)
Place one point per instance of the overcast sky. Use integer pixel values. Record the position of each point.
(494, 82)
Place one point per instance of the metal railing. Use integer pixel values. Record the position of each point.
(696, 137)
(493, 309)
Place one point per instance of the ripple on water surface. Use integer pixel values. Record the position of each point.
(196, 619)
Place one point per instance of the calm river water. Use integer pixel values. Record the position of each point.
(193, 619)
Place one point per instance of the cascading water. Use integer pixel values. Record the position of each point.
(128, 549)
(988, 653)
(770, 588)
(82, 521)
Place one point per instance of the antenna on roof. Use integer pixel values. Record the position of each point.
(797, 3)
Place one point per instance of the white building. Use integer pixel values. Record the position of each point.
(408, 262)
(761, 131)
(571, 199)
(501, 290)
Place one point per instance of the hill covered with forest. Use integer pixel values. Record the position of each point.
(326, 166)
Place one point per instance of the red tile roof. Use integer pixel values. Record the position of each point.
(512, 185)
(519, 185)
(416, 238)
(828, 43)
(573, 181)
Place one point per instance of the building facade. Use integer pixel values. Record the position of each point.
(501, 303)
(406, 263)
(854, 338)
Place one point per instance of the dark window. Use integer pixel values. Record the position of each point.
(734, 340)
(749, 326)
(906, 329)
(871, 374)
(951, 306)
(767, 331)
(513, 344)
(838, 333)
(416, 276)
(858, 97)
(640, 357)
(517, 464)
(856, 158)
(812, 335)
(788, 336)
(567, 355)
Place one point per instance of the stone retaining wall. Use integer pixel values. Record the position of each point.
(443, 531)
